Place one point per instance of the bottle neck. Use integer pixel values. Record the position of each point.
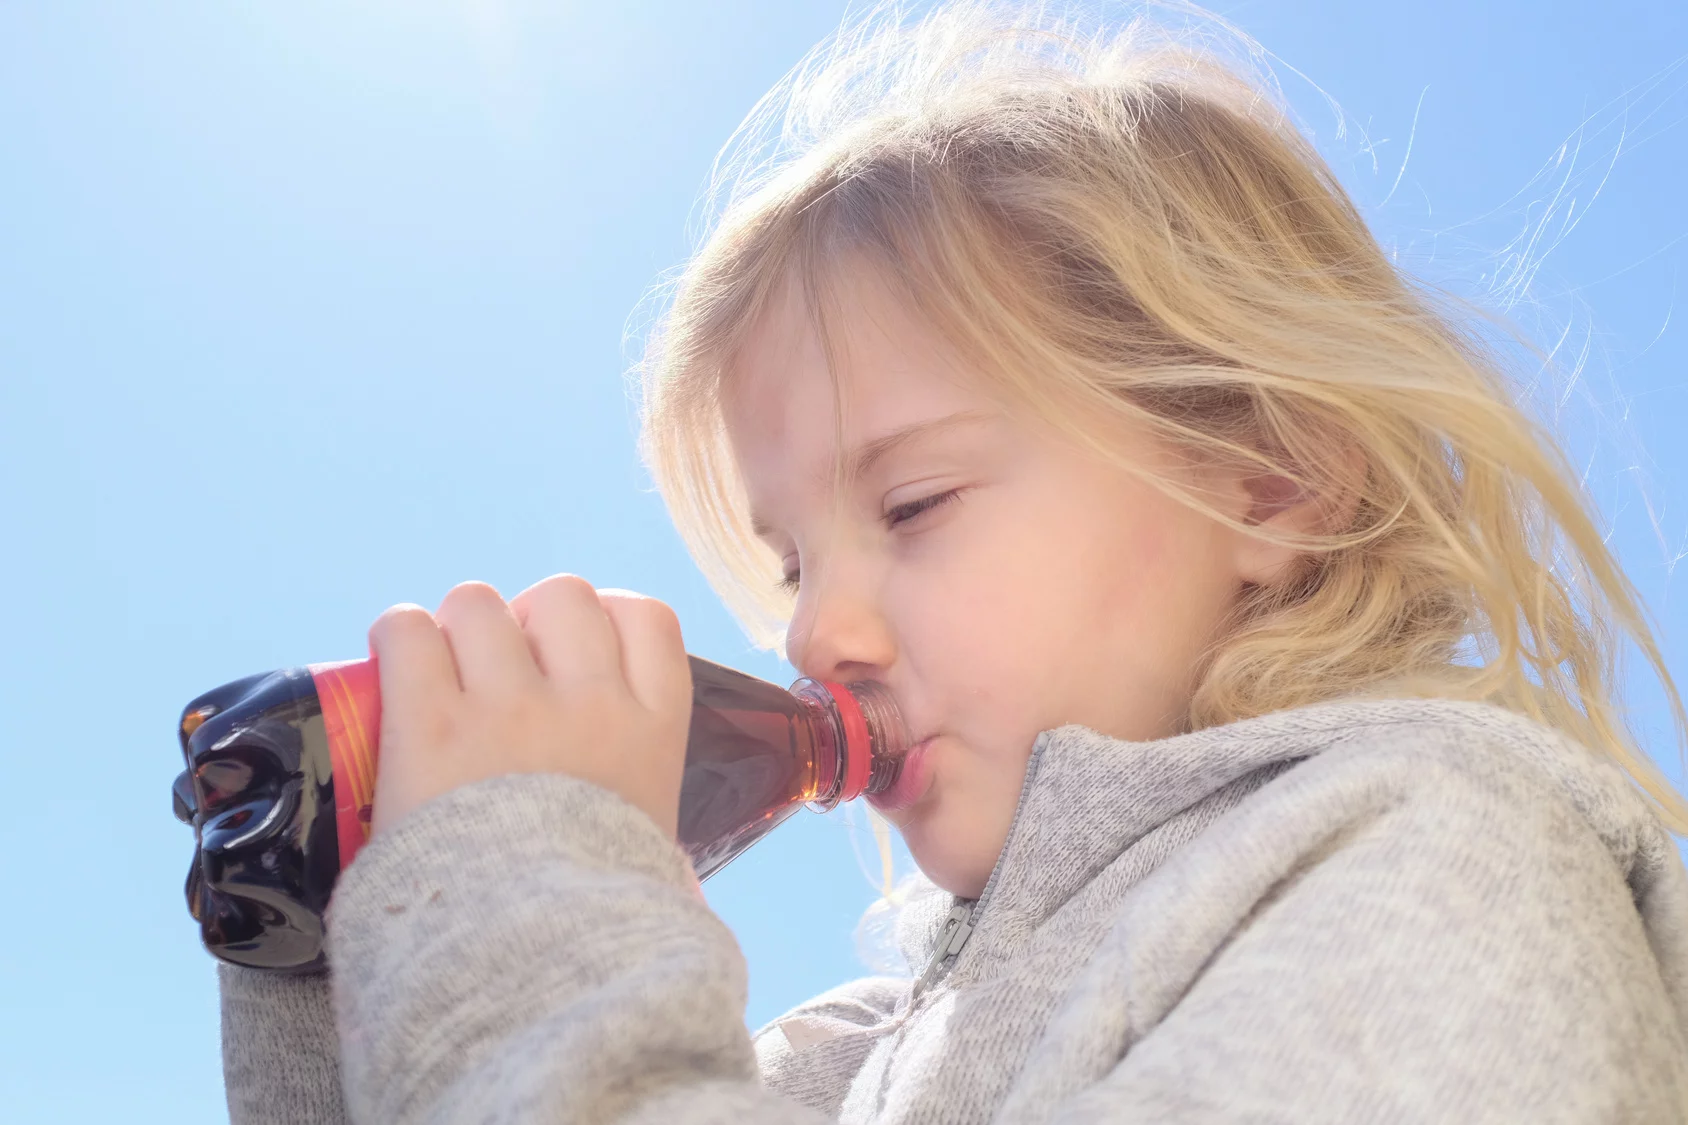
(858, 736)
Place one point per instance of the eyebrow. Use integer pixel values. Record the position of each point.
(870, 453)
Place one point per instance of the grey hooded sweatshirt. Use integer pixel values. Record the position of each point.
(1357, 911)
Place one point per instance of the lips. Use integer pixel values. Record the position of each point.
(913, 780)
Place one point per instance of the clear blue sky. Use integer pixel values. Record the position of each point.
(310, 308)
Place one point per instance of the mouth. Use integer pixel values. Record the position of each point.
(913, 780)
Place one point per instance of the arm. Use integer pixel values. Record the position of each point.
(279, 1049)
(1433, 936)
(813, 1052)
(529, 948)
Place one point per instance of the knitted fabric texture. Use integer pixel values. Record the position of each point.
(1364, 910)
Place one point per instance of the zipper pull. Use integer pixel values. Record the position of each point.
(957, 929)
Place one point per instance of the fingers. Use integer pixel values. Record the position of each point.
(486, 640)
(568, 630)
(653, 654)
(416, 667)
(559, 629)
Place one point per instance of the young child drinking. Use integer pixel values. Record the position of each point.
(1052, 381)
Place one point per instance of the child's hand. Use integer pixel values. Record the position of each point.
(563, 679)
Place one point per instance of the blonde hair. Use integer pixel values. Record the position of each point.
(1129, 227)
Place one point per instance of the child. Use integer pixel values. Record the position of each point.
(1055, 384)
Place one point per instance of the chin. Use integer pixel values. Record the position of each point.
(954, 869)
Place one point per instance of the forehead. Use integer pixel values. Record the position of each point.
(862, 349)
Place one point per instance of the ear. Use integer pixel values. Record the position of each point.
(1280, 504)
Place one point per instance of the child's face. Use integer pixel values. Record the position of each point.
(998, 581)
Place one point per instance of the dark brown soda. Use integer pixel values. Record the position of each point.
(259, 791)
(755, 752)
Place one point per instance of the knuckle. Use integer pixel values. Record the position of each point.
(402, 619)
(648, 611)
(471, 596)
(661, 617)
(568, 586)
(558, 593)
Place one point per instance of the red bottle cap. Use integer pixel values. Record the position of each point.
(858, 749)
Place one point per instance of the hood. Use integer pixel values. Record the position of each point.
(1088, 798)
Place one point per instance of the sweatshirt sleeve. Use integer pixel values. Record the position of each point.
(280, 1052)
(813, 1052)
(1433, 935)
(532, 948)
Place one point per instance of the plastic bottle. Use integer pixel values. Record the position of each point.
(281, 770)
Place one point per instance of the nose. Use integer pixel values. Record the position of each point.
(839, 631)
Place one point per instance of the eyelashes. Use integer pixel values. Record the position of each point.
(902, 513)
(894, 518)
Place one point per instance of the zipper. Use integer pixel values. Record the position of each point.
(962, 920)
(957, 929)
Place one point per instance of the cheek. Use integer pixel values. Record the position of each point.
(1145, 622)
(978, 597)
(1088, 564)
(952, 625)
(1128, 570)
(1154, 560)
(992, 619)
(1046, 611)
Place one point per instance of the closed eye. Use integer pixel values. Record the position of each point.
(894, 518)
(902, 513)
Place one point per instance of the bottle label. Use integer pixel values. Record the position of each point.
(350, 693)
